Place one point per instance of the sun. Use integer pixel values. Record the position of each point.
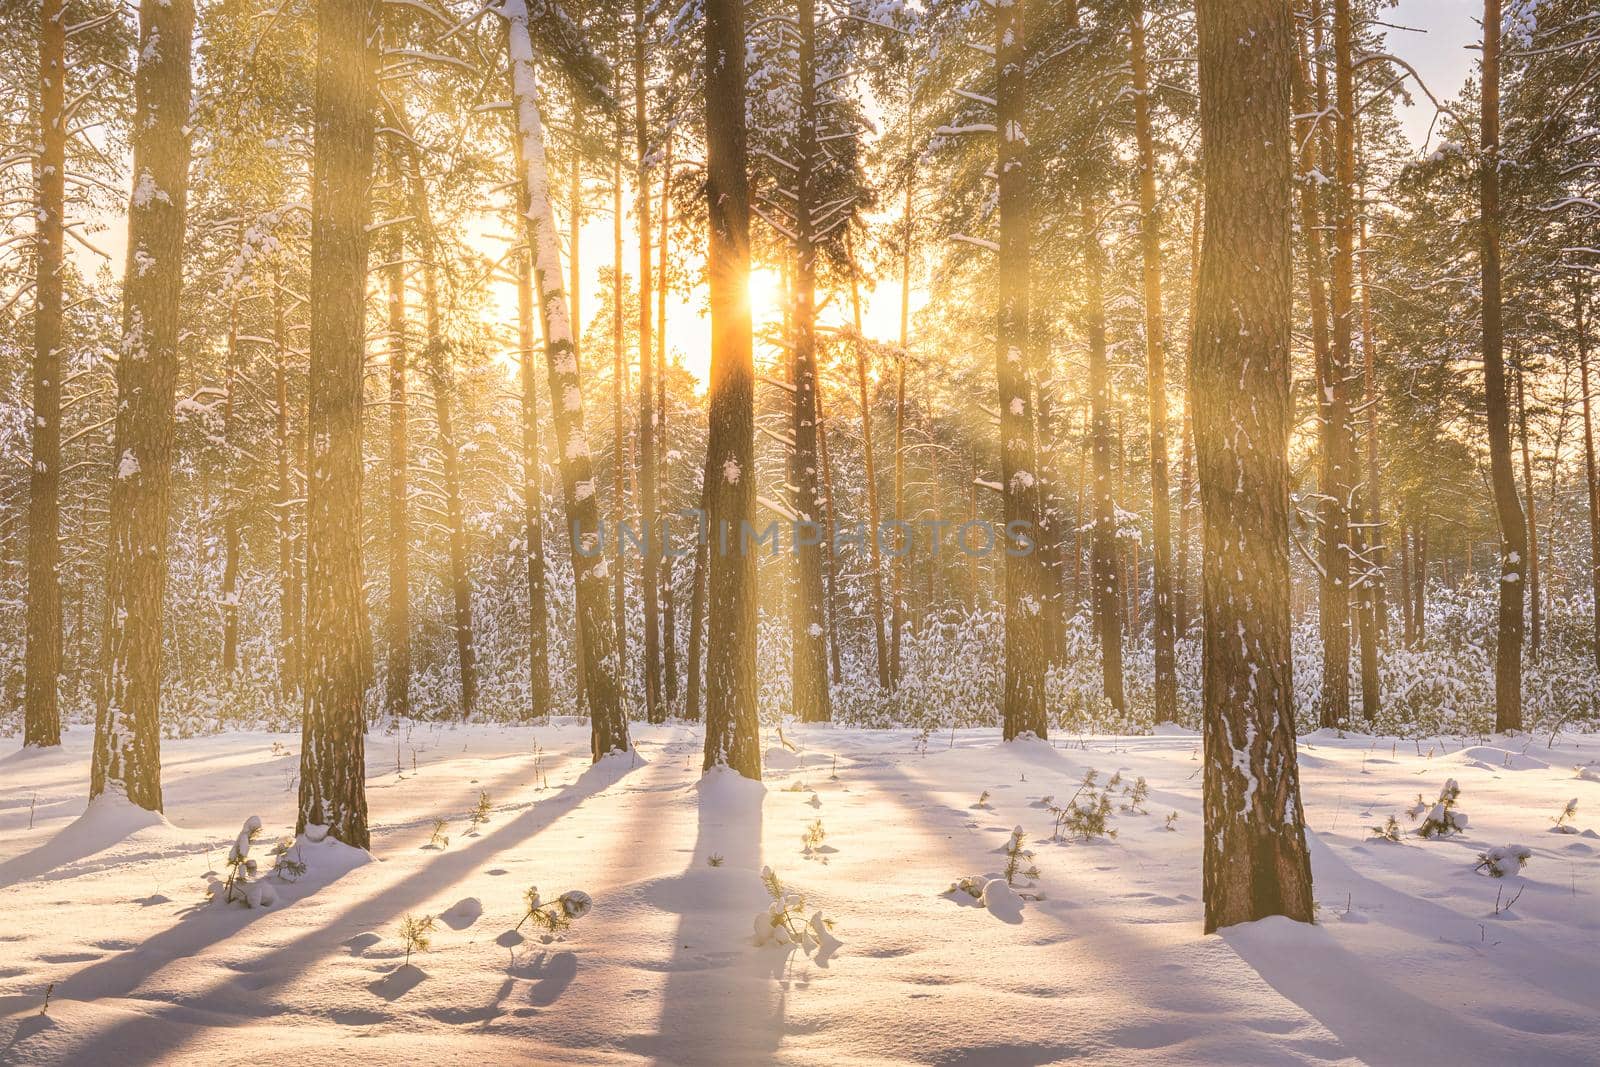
(767, 297)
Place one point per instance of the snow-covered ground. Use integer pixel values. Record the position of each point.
(1101, 958)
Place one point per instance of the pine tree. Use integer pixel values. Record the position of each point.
(127, 749)
(1255, 857)
(337, 661)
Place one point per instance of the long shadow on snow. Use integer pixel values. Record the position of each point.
(155, 1038)
(723, 1000)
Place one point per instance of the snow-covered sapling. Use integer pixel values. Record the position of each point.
(1085, 815)
(1444, 819)
(558, 914)
(1389, 831)
(785, 923)
(1135, 795)
(811, 840)
(480, 814)
(1503, 860)
(287, 869)
(417, 934)
(439, 839)
(983, 800)
(1564, 820)
(241, 883)
(1019, 860)
(1172, 819)
(714, 860)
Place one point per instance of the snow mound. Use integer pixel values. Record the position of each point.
(1489, 757)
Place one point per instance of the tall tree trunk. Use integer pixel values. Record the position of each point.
(1105, 561)
(829, 519)
(289, 584)
(1164, 622)
(42, 656)
(127, 744)
(812, 701)
(1023, 711)
(1590, 482)
(697, 602)
(619, 432)
(441, 374)
(597, 640)
(397, 669)
(669, 620)
(333, 743)
(1508, 509)
(231, 498)
(1419, 575)
(649, 510)
(1255, 858)
(1376, 537)
(1186, 464)
(1535, 612)
(1333, 397)
(1408, 618)
(731, 728)
(870, 476)
(532, 487)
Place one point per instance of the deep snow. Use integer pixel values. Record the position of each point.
(1102, 958)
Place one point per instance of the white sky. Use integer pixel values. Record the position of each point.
(1443, 56)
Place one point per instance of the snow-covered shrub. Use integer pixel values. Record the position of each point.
(785, 922)
(1389, 831)
(1503, 860)
(1443, 819)
(438, 839)
(1564, 821)
(555, 915)
(480, 813)
(242, 883)
(1019, 860)
(417, 934)
(812, 837)
(1085, 815)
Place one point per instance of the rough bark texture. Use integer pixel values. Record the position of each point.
(289, 584)
(1023, 711)
(1104, 558)
(880, 634)
(332, 750)
(397, 624)
(1581, 321)
(1333, 405)
(232, 501)
(42, 657)
(1255, 860)
(1164, 621)
(441, 377)
(731, 728)
(532, 491)
(669, 618)
(597, 639)
(1508, 508)
(127, 746)
(1535, 606)
(649, 509)
(809, 634)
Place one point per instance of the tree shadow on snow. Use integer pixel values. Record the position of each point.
(157, 1035)
(723, 999)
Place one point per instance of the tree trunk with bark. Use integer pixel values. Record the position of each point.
(649, 509)
(1508, 509)
(290, 589)
(1591, 485)
(532, 487)
(332, 750)
(1164, 621)
(42, 655)
(812, 701)
(1023, 711)
(1255, 858)
(597, 639)
(731, 728)
(127, 743)
(397, 668)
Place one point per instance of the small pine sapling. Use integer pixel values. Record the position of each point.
(1019, 860)
(1503, 860)
(1389, 831)
(1564, 820)
(714, 860)
(556, 915)
(1135, 795)
(784, 922)
(439, 839)
(480, 814)
(285, 868)
(241, 883)
(811, 840)
(1172, 819)
(983, 800)
(1444, 819)
(417, 934)
(1085, 815)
